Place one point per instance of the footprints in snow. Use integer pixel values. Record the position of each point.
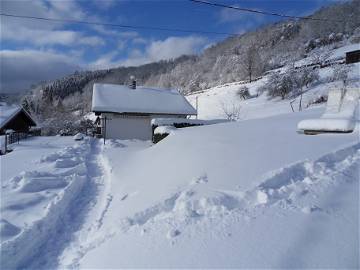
(37, 188)
(285, 188)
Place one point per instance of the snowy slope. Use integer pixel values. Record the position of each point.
(232, 190)
(212, 101)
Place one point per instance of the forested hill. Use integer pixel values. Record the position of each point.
(234, 59)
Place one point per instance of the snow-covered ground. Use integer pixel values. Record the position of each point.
(229, 195)
(211, 102)
(253, 193)
(247, 194)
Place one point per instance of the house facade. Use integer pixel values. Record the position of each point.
(126, 112)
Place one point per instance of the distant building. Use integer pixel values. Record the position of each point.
(353, 57)
(126, 111)
(16, 118)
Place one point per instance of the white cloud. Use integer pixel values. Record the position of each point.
(42, 37)
(157, 50)
(40, 33)
(174, 46)
(20, 69)
(169, 48)
(105, 61)
(245, 20)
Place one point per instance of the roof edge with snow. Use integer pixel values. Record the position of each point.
(112, 98)
(15, 112)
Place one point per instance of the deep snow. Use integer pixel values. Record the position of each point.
(247, 194)
(285, 200)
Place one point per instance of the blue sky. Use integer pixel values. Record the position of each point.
(36, 50)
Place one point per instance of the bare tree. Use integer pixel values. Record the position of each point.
(304, 78)
(251, 62)
(341, 73)
(231, 111)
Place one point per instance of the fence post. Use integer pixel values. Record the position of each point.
(5, 143)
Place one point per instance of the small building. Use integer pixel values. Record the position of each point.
(125, 112)
(15, 118)
(352, 57)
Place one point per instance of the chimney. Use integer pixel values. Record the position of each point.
(133, 82)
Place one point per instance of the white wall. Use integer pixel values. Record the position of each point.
(128, 127)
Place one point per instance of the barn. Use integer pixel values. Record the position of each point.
(15, 118)
(125, 112)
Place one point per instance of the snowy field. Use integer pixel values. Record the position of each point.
(247, 194)
(230, 190)
(227, 195)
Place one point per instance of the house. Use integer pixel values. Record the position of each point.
(16, 118)
(125, 112)
(352, 57)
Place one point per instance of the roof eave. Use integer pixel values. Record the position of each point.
(146, 113)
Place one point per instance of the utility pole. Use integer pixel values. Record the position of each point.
(104, 128)
(197, 106)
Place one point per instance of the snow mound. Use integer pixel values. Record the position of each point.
(36, 184)
(284, 187)
(8, 230)
(164, 130)
(79, 137)
(339, 113)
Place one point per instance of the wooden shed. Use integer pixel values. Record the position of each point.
(353, 57)
(16, 118)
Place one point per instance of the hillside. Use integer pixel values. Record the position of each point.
(63, 102)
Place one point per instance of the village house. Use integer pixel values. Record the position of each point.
(125, 112)
(15, 118)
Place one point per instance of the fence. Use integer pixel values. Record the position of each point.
(16, 137)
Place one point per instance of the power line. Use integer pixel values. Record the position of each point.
(117, 25)
(261, 12)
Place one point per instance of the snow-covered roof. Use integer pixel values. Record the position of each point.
(123, 99)
(7, 112)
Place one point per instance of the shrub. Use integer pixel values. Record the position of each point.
(280, 85)
(243, 92)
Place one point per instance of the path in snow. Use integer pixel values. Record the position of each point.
(40, 246)
(88, 236)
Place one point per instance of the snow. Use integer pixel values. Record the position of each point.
(339, 113)
(164, 130)
(7, 112)
(231, 192)
(212, 100)
(172, 121)
(341, 52)
(79, 137)
(252, 193)
(36, 194)
(123, 99)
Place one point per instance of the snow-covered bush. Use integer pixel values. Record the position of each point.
(291, 83)
(243, 92)
(280, 85)
(340, 73)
